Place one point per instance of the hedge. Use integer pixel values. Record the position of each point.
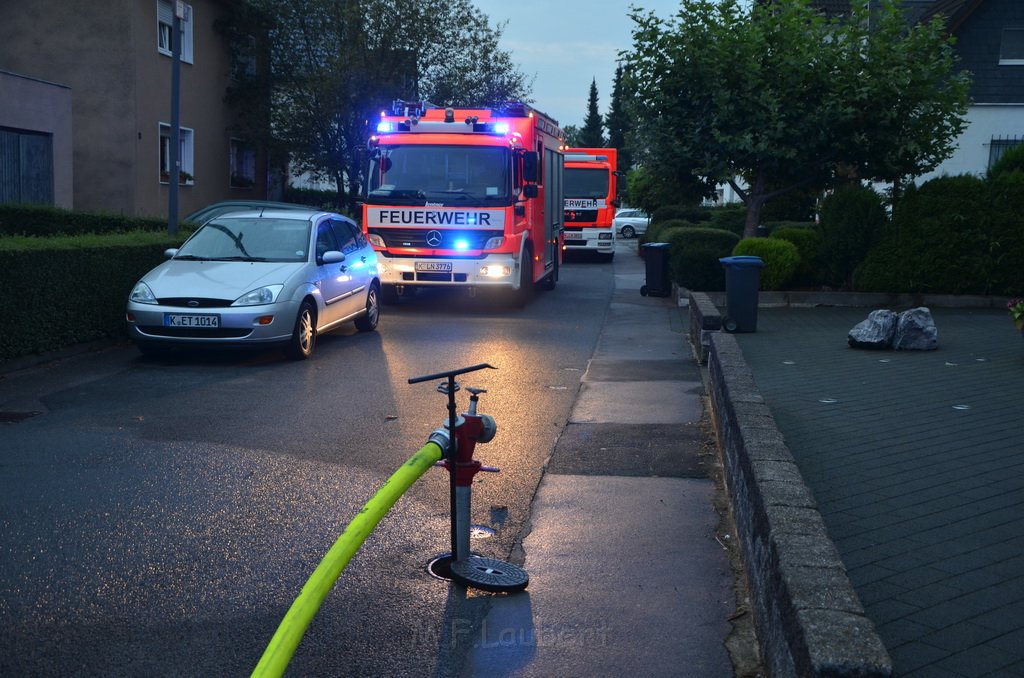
(694, 255)
(39, 220)
(66, 290)
(780, 257)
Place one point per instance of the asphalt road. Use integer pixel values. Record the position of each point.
(159, 517)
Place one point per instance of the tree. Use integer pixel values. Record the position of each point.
(573, 136)
(592, 134)
(617, 120)
(332, 65)
(784, 98)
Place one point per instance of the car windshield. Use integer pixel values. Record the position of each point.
(249, 239)
(450, 175)
(586, 183)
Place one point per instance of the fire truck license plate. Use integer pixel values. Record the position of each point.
(434, 266)
(573, 235)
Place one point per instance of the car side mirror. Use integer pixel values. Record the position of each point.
(332, 257)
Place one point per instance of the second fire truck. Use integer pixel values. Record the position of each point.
(466, 198)
(591, 197)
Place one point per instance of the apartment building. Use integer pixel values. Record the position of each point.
(113, 60)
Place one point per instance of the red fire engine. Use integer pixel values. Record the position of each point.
(465, 197)
(591, 196)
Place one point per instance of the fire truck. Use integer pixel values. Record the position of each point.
(591, 196)
(466, 198)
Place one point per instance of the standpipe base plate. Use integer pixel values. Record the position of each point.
(489, 574)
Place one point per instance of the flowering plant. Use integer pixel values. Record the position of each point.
(1016, 309)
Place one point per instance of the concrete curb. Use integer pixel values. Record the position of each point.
(809, 619)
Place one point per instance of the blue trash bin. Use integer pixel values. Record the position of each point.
(742, 282)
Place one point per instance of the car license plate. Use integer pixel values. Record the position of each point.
(434, 266)
(178, 320)
(573, 235)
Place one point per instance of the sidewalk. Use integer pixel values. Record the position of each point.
(627, 576)
(915, 460)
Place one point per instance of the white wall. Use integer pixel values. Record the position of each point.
(985, 121)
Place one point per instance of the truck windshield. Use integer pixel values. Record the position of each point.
(586, 183)
(449, 175)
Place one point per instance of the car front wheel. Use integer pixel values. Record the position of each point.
(628, 232)
(368, 321)
(303, 338)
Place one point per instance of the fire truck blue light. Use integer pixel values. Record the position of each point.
(383, 127)
(461, 244)
(502, 127)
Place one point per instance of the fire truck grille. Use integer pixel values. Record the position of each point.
(580, 215)
(435, 239)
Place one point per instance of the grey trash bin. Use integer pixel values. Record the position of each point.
(656, 265)
(742, 282)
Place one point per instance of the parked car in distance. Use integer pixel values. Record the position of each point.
(258, 278)
(201, 216)
(629, 223)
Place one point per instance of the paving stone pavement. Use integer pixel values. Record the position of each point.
(916, 459)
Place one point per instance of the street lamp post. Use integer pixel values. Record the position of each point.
(174, 157)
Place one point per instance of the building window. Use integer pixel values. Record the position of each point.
(1011, 48)
(185, 155)
(243, 165)
(997, 147)
(164, 22)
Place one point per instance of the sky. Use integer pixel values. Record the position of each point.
(564, 44)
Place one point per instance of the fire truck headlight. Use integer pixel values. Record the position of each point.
(604, 236)
(384, 127)
(495, 271)
(375, 240)
(494, 243)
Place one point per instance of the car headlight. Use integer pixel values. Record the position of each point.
(141, 294)
(264, 295)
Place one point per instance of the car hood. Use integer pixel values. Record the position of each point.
(216, 279)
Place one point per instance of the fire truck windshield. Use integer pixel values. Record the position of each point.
(586, 183)
(449, 175)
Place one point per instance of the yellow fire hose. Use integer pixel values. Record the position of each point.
(282, 646)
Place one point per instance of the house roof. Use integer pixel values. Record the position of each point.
(955, 11)
(832, 8)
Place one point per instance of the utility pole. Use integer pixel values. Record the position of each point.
(174, 159)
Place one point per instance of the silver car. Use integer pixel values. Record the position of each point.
(258, 278)
(630, 223)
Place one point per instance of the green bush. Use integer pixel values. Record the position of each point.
(852, 219)
(808, 242)
(780, 258)
(655, 231)
(40, 220)
(694, 256)
(1011, 161)
(1006, 235)
(730, 218)
(691, 213)
(87, 281)
(940, 241)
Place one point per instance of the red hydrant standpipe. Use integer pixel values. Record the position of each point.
(463, 433)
